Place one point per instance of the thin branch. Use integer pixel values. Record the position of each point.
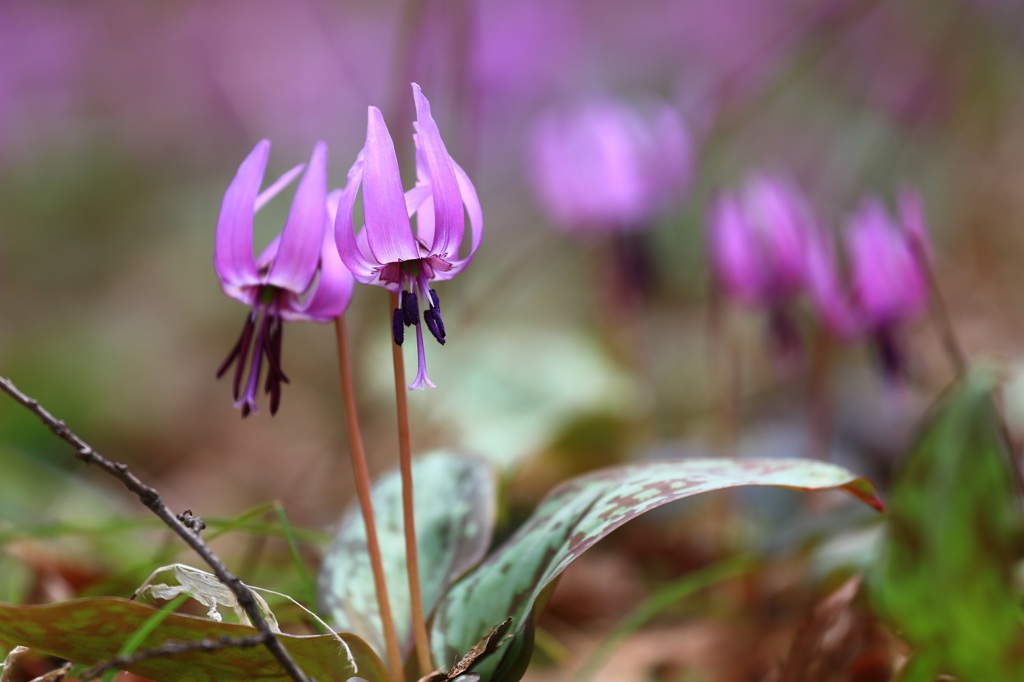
(151, 499)
(173, 648)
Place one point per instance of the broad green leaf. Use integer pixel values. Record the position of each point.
(454, 502)
(570, 520)
(90, 631)
(946, 577)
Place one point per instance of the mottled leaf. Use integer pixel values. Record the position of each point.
(513, 580)
(90, 631)
(946, 577)
(454, 501)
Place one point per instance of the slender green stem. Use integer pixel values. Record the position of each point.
(412, 562)
(362, 480)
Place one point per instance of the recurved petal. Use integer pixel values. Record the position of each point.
(269, 193)
(332, 289)
(387, 222)
(476, 223)
(449, 218)
(232, 252)
(299, 249)
(348, 248)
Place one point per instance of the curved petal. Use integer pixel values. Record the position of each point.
(476, 223)
(387, 223)
(232, 251)
(299, 250)
(269, 193)
(332, 289)
(449, 218)
(348, 249)
(887, 277)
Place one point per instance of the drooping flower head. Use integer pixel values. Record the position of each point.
(387, 252)
(608, 166)
(759, 239)
(889, 283)
(298, 276)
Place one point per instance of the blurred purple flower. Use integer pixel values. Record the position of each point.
(610, 166)
(759, 240)
(299, 275)
(888, 278)
(386, 252)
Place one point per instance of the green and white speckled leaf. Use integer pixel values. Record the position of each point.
(90, 631)
(575, 516)
(455, 500)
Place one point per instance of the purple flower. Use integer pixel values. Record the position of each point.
(759, 240)
(887, 276)
(299, 275)
(889, 282)
(386, 252)
(610, 166)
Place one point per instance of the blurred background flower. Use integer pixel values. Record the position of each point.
(607, 166)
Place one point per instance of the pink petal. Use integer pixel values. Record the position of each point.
(387, 223)
(232, 251)
(476, 223)
(299, 249)
(269, 193)
(332, 290)
(348, 249)
(449, 218)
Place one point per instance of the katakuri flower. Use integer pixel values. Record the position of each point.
(759, 240)
(299, 275)
(608, 166)
(889, 282)
(386, 252)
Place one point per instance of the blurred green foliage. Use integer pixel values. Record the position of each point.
(947, 576)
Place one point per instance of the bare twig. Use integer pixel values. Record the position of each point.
(173, 648)
(151, 499)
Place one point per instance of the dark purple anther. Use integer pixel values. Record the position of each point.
(435, 301)
(410, 308)
(238, 355)
(434, 324)
(397, 326)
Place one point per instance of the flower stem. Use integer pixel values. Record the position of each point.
(362, 479)
(412, 562)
